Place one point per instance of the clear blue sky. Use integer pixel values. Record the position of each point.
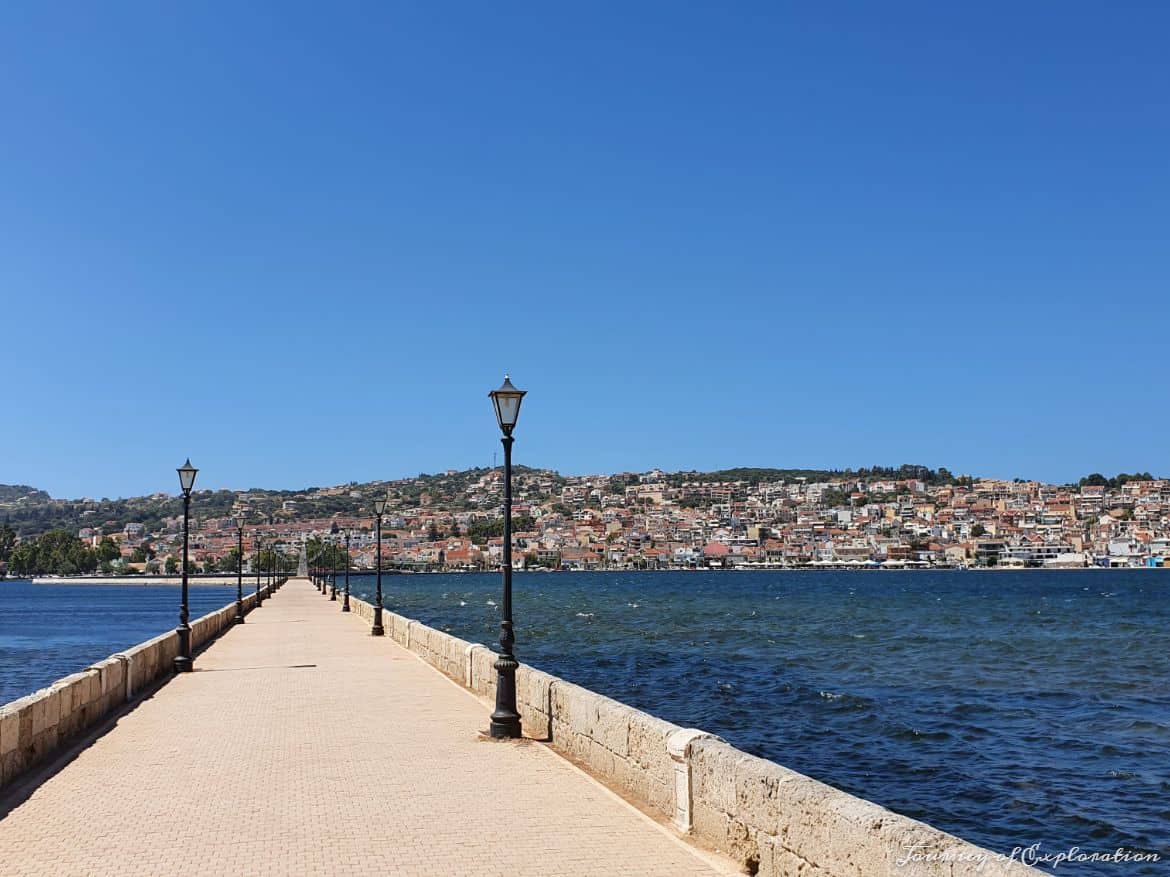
(701, 236)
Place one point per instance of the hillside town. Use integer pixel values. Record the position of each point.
(655, 520)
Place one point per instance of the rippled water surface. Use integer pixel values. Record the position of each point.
(1010, 708)
(50, 631)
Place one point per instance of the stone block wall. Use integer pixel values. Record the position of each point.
(34, 727)
(771, 820)
(783, 822)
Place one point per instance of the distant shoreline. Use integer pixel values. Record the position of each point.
(144, 581)
(227, 579)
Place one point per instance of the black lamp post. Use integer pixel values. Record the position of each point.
(379, 510)
(261, 574)
(345, 602)
(317, 566)
(239, 569)
(273, 566)
(333, 559)
(183, 664)
(258, 545)
(505, 721)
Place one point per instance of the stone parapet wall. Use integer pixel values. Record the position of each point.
(786, 823)
(34, 727)
(771, 820)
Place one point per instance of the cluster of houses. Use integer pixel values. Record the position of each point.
(653, 520)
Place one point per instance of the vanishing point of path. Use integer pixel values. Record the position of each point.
(303, 746)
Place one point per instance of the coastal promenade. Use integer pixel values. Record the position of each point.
(303, 746)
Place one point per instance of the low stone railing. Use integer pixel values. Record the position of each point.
(34, 727)
(771, 820)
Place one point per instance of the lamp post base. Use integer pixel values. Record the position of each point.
(183, 662)
(505, 721)
(505, 729)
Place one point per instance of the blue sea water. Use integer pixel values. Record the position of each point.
(50, 631)
(1009, 708)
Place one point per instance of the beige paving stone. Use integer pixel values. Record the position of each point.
(303, 746)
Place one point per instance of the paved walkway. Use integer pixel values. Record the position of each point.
(302, 746)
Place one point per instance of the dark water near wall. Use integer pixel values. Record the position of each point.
(1008, 708)
(50, 631)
